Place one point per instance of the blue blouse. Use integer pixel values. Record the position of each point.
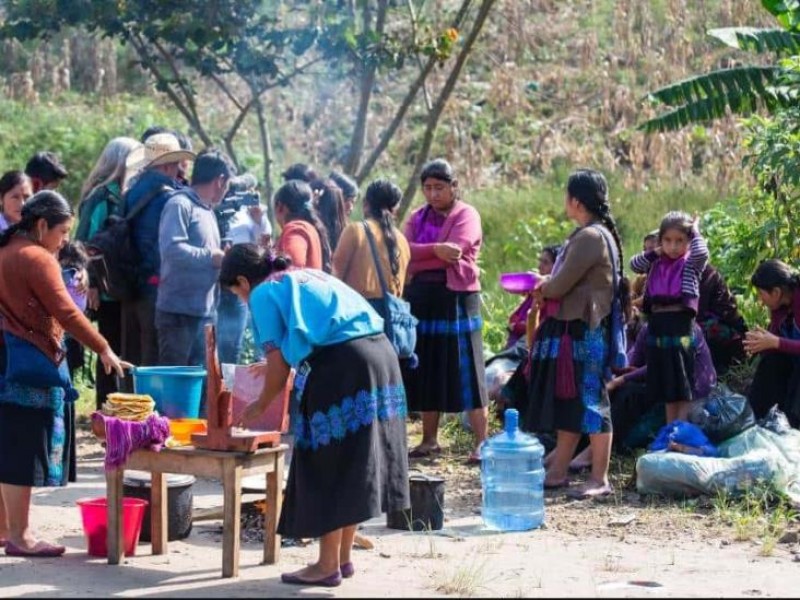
(296, 311)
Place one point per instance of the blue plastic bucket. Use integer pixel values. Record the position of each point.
(177, 391)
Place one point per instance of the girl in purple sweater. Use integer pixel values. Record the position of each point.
(777, 377)
(670, 301)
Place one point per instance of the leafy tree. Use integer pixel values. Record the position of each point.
(249, 47)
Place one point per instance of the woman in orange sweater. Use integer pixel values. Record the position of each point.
(36, 413)
(303, 238)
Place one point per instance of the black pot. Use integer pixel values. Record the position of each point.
(179, 502)
(427, 505)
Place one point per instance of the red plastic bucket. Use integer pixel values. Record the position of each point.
(94, 514)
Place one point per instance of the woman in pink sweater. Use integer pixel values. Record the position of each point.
(444, 292)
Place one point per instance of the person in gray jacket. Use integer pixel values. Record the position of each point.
(191, 255)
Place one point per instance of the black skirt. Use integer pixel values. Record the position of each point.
(670, 356)
(589, 411)
(37, 445)
(350, 459)
(451, 376)
(776, 381)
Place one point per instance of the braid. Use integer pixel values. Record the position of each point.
(387, 227)
(310, 216)
(624, 285)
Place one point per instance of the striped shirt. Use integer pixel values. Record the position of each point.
(693, 265)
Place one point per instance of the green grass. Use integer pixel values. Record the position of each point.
(761, 513)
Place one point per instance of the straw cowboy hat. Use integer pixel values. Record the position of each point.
(158, 149)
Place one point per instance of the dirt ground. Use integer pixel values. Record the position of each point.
(624, 546)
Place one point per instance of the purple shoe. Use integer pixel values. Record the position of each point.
(334, 580)
(347, 570)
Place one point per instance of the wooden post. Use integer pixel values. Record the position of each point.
(158, 512)
(231, 520)
(114, 540)
(272, 541)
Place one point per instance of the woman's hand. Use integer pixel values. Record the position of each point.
(615, 383)
(538, 293)
(111, 362)
(447, 252)
(93, 298)
(759, 339)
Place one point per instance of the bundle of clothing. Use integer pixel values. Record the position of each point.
(124, 437)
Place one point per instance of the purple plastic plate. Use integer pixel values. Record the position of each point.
(518, 283)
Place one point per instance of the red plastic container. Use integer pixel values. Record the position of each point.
(94, 514)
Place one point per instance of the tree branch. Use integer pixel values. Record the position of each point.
(408, 100)
(441, 101)
(413, 15)
(370, 68)
(147, 61)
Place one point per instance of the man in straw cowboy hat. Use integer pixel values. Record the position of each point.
(159, 161)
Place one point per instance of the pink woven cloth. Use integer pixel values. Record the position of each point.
(123, 437)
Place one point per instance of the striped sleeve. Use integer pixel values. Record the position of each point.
(698, 253)
(642, 261)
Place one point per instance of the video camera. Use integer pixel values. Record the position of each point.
(241, 192)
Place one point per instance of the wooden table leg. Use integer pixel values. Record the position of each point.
(158, 512)
(231, 519)
(272, 541)
(114, 539)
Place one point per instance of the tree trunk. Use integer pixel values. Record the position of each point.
(369, 69)
(408, 100)
(441, 102)
(266, 151)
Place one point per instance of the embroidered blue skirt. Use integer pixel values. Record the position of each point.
(350, 459)
(37, 437)
(451, 375)
(589, 411)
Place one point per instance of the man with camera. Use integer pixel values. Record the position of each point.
(242, 220)
(191, 254)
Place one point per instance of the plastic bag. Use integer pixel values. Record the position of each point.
(685, 434)
(675, 474)
(723, 415)
(775, 420)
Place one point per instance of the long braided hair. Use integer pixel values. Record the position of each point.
(590, 188)
(382, 197)
(298, 197)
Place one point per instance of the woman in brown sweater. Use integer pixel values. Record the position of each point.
(37, 423)
(571, 354)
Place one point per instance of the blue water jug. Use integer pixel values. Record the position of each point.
(512, 477)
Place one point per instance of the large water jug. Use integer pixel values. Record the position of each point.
(512, 476)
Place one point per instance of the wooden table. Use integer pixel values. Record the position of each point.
(229, 467)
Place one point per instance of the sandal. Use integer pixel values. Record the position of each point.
(420, 452)
(591, 490)
(40, 549)
(474, 458)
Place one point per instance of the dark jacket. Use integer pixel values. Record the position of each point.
(145, 225)
(716, 300)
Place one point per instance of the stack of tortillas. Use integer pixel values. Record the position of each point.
(129, 407)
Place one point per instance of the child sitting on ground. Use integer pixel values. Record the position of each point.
(501, 366)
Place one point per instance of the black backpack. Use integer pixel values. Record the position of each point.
(114, 262)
